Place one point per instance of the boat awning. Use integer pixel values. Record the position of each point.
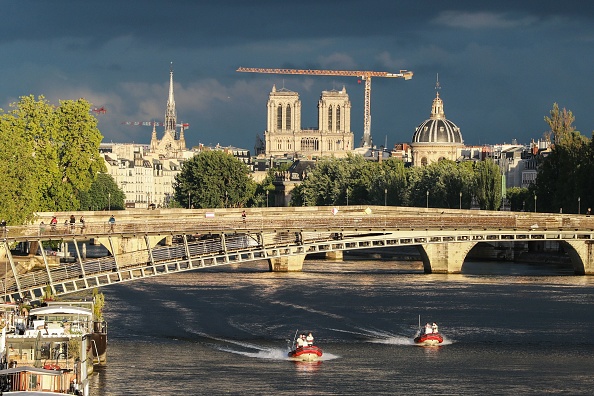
(29, 369)
(61, 310)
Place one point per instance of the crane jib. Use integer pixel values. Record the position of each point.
(363, 75)
(353, 73)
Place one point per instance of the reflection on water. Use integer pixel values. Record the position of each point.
(226, 330)
(307, 367)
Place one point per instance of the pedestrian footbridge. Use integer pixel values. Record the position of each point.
(146, 243)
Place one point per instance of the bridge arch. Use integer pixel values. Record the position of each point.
(444, 258)
(581, 255)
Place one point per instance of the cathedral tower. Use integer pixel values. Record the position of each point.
(284, 136)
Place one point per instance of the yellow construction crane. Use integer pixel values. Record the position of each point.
(363, 75)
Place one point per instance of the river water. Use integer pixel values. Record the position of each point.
(509, 328)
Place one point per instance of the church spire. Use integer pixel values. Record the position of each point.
(170, 114)
(437, 108)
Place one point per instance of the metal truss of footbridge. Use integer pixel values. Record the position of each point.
(149, 243)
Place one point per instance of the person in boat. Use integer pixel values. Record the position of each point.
(309, 339)
(428, 329)
(300, 341)
(434, 327)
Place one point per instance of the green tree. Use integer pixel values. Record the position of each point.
(20, 195)
(468, 183)
(77, 146)
(560, 123)
(518, 197)
(332, 178)
(388, 182)
(429, 189)
(488, 184)
(214, 179)
(57, 146)
(103, 194)
(563, 174)
(439, 185)
(588, 178)
(265, 189)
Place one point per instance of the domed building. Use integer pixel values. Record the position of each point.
(436, 138)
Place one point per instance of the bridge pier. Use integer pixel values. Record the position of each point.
(444, 258)
(287, 263)
(581, 255)
(335, 255)
(129, 250)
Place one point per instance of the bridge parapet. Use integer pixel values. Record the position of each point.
(294, 219)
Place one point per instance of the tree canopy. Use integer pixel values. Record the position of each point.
(104, 194)
(565, 174)
(49, 155)
(443, 184)
(214, 179)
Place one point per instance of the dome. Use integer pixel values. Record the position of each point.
(437, 129)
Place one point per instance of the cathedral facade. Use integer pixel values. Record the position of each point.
(285, 137)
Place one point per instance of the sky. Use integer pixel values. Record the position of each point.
(501, 64)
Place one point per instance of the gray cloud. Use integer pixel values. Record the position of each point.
(501, 64)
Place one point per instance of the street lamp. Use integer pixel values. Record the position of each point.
(460, 200)
(385, 197)
(267, 191)
(347, 196)
(579, 205)
(427, 199)
(534, 203)
(109, 201)
(189, 200)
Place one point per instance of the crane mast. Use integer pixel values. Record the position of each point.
(363, 75)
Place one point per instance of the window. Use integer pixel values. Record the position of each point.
(279, 117)
(338, 118)
(330, 118)
(288, 118)
(309, 144)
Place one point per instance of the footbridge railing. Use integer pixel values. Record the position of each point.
(203, 242)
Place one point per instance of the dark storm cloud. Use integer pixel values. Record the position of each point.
(501, 64)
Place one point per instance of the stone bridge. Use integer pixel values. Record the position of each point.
(144, 243)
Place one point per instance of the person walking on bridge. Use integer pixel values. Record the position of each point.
(111, 222)
(72, 223)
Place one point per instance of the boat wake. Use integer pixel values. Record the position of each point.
(393, 339)
(260, 352)
(385, 337)
(257, 351)
(379, 336)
